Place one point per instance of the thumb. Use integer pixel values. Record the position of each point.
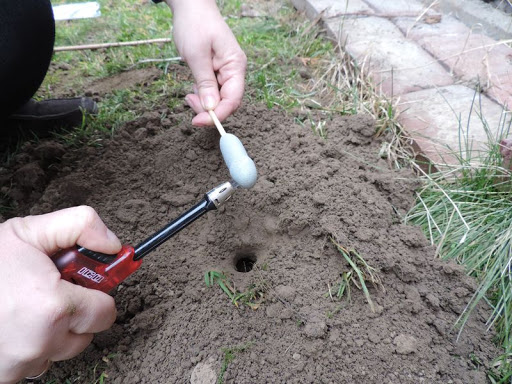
(206, 82)
(66, 228)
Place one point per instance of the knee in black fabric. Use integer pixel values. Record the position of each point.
(27, 35)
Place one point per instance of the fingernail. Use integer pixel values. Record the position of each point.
(208, 103)
(187, 100)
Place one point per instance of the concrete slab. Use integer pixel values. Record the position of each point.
(474, 58)
(332, 8)
(501, 90)
(397, 74)
(397, 8)
(397, 65)
(485, 61)
(432, 116)
(447, 26)
(495, 23)
(363, 29)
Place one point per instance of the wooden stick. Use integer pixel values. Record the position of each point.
(219, 126)
(177, 58)
(110, 45)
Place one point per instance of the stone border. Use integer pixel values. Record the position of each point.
(495, 23)
(451, 82)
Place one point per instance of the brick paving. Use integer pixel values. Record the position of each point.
(447, 67)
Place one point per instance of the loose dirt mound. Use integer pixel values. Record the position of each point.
(171, 327)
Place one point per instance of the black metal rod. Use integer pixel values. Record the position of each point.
(173, 227)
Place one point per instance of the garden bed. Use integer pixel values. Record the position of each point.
(171, 327)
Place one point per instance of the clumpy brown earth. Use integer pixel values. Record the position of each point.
(171, 327)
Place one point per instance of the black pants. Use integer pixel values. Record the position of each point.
(27, 35)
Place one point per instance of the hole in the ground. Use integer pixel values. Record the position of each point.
(244, 262)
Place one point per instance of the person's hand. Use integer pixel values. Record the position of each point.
(217, 62)
(42, 317)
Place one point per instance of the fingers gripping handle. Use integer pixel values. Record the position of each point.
(92, 270)
(104, 272)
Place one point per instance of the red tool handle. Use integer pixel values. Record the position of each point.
(96, 270)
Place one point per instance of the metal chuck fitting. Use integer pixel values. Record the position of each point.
(220, 194)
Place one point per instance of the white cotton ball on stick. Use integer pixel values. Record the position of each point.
(241, 167)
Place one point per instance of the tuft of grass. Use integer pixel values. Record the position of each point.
(230, 355)
(343, 86)
(123, 20)
(317, 127)
(252, 297)
(466, 212)
(359, 274)
(343, 287)
(275, 46)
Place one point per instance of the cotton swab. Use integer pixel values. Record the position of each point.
(241, 167)
(217, 123)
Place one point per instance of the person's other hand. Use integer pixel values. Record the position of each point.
(42, 317)
(217, 62)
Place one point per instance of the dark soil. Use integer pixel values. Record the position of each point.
(171, 328)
